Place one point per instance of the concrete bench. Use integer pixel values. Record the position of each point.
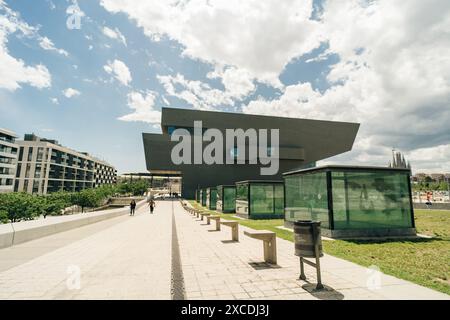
(216, 219)
(234, 225)
(269, 239)
(204, 214)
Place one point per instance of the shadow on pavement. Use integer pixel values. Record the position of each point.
(327, 293)
(263, 265)
(229, 241)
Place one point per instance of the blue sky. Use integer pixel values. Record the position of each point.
(130, 58)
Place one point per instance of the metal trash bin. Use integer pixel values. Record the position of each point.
(307, 235)
(308, 244)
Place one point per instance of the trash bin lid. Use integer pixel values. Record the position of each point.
(306, 223)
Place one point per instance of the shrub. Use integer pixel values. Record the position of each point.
(21, 206)
(4, 216)
(17, 207)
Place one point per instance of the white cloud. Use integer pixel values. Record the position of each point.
(393, 77)
(114, 34)
(14, 72)
(70, 93)
(199, 94)
(54, 100)
(120, 71)
(143, 105)
(260, 37)
(433, 159)
(47, 44)
(393, 74)
(238, 83)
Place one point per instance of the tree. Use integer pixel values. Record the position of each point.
(139, 187)
(86, 198)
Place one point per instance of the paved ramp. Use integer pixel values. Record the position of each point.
(127, 260)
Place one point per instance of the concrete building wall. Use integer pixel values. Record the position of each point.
(302, 143)
(8, 160)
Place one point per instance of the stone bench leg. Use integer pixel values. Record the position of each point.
(270, 251)
(217, 225)
(208, 220)
(235, 233)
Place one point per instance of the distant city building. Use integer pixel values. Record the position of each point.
(420, 177)
(434, 177)
(8, 160)
(157, 180)
(398, 161)
(44, 166)
(437, 177)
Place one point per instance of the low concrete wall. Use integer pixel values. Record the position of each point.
(12, 234)
(435, 206)
(6, 235)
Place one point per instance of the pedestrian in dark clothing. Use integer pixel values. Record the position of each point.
(151, 205)
(132, 207)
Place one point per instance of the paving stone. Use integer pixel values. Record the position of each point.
(218, 261)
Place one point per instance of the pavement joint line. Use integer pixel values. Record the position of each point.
(177, 282)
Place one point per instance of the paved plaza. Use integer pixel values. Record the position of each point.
(140, 257)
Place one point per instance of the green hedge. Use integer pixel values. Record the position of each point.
(16, 207)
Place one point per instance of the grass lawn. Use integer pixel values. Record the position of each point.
(423, 261)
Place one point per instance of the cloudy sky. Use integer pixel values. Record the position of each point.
(95, 74)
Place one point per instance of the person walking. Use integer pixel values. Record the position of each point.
(151, 205)
(132, 207)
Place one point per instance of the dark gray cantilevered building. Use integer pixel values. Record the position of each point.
(302, 142)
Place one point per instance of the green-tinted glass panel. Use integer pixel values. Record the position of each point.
(229, 199)
(242, 199)
(279, 199)
(219, 201)
(212, 199)
(261, 199)
(242, 192)
(374, 200)
(204, 197)
(307, 198)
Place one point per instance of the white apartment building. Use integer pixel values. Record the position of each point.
(104, 173)
(44, 166)
(8, 160)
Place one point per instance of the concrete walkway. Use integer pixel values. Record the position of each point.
(126, 260)
(215, 268)
(138, 258)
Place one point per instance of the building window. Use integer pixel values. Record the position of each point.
(37, 171)
(36, 186)
(40, 154)
(21, 154)
(19, 168)
(30, 154)
(27, 171)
